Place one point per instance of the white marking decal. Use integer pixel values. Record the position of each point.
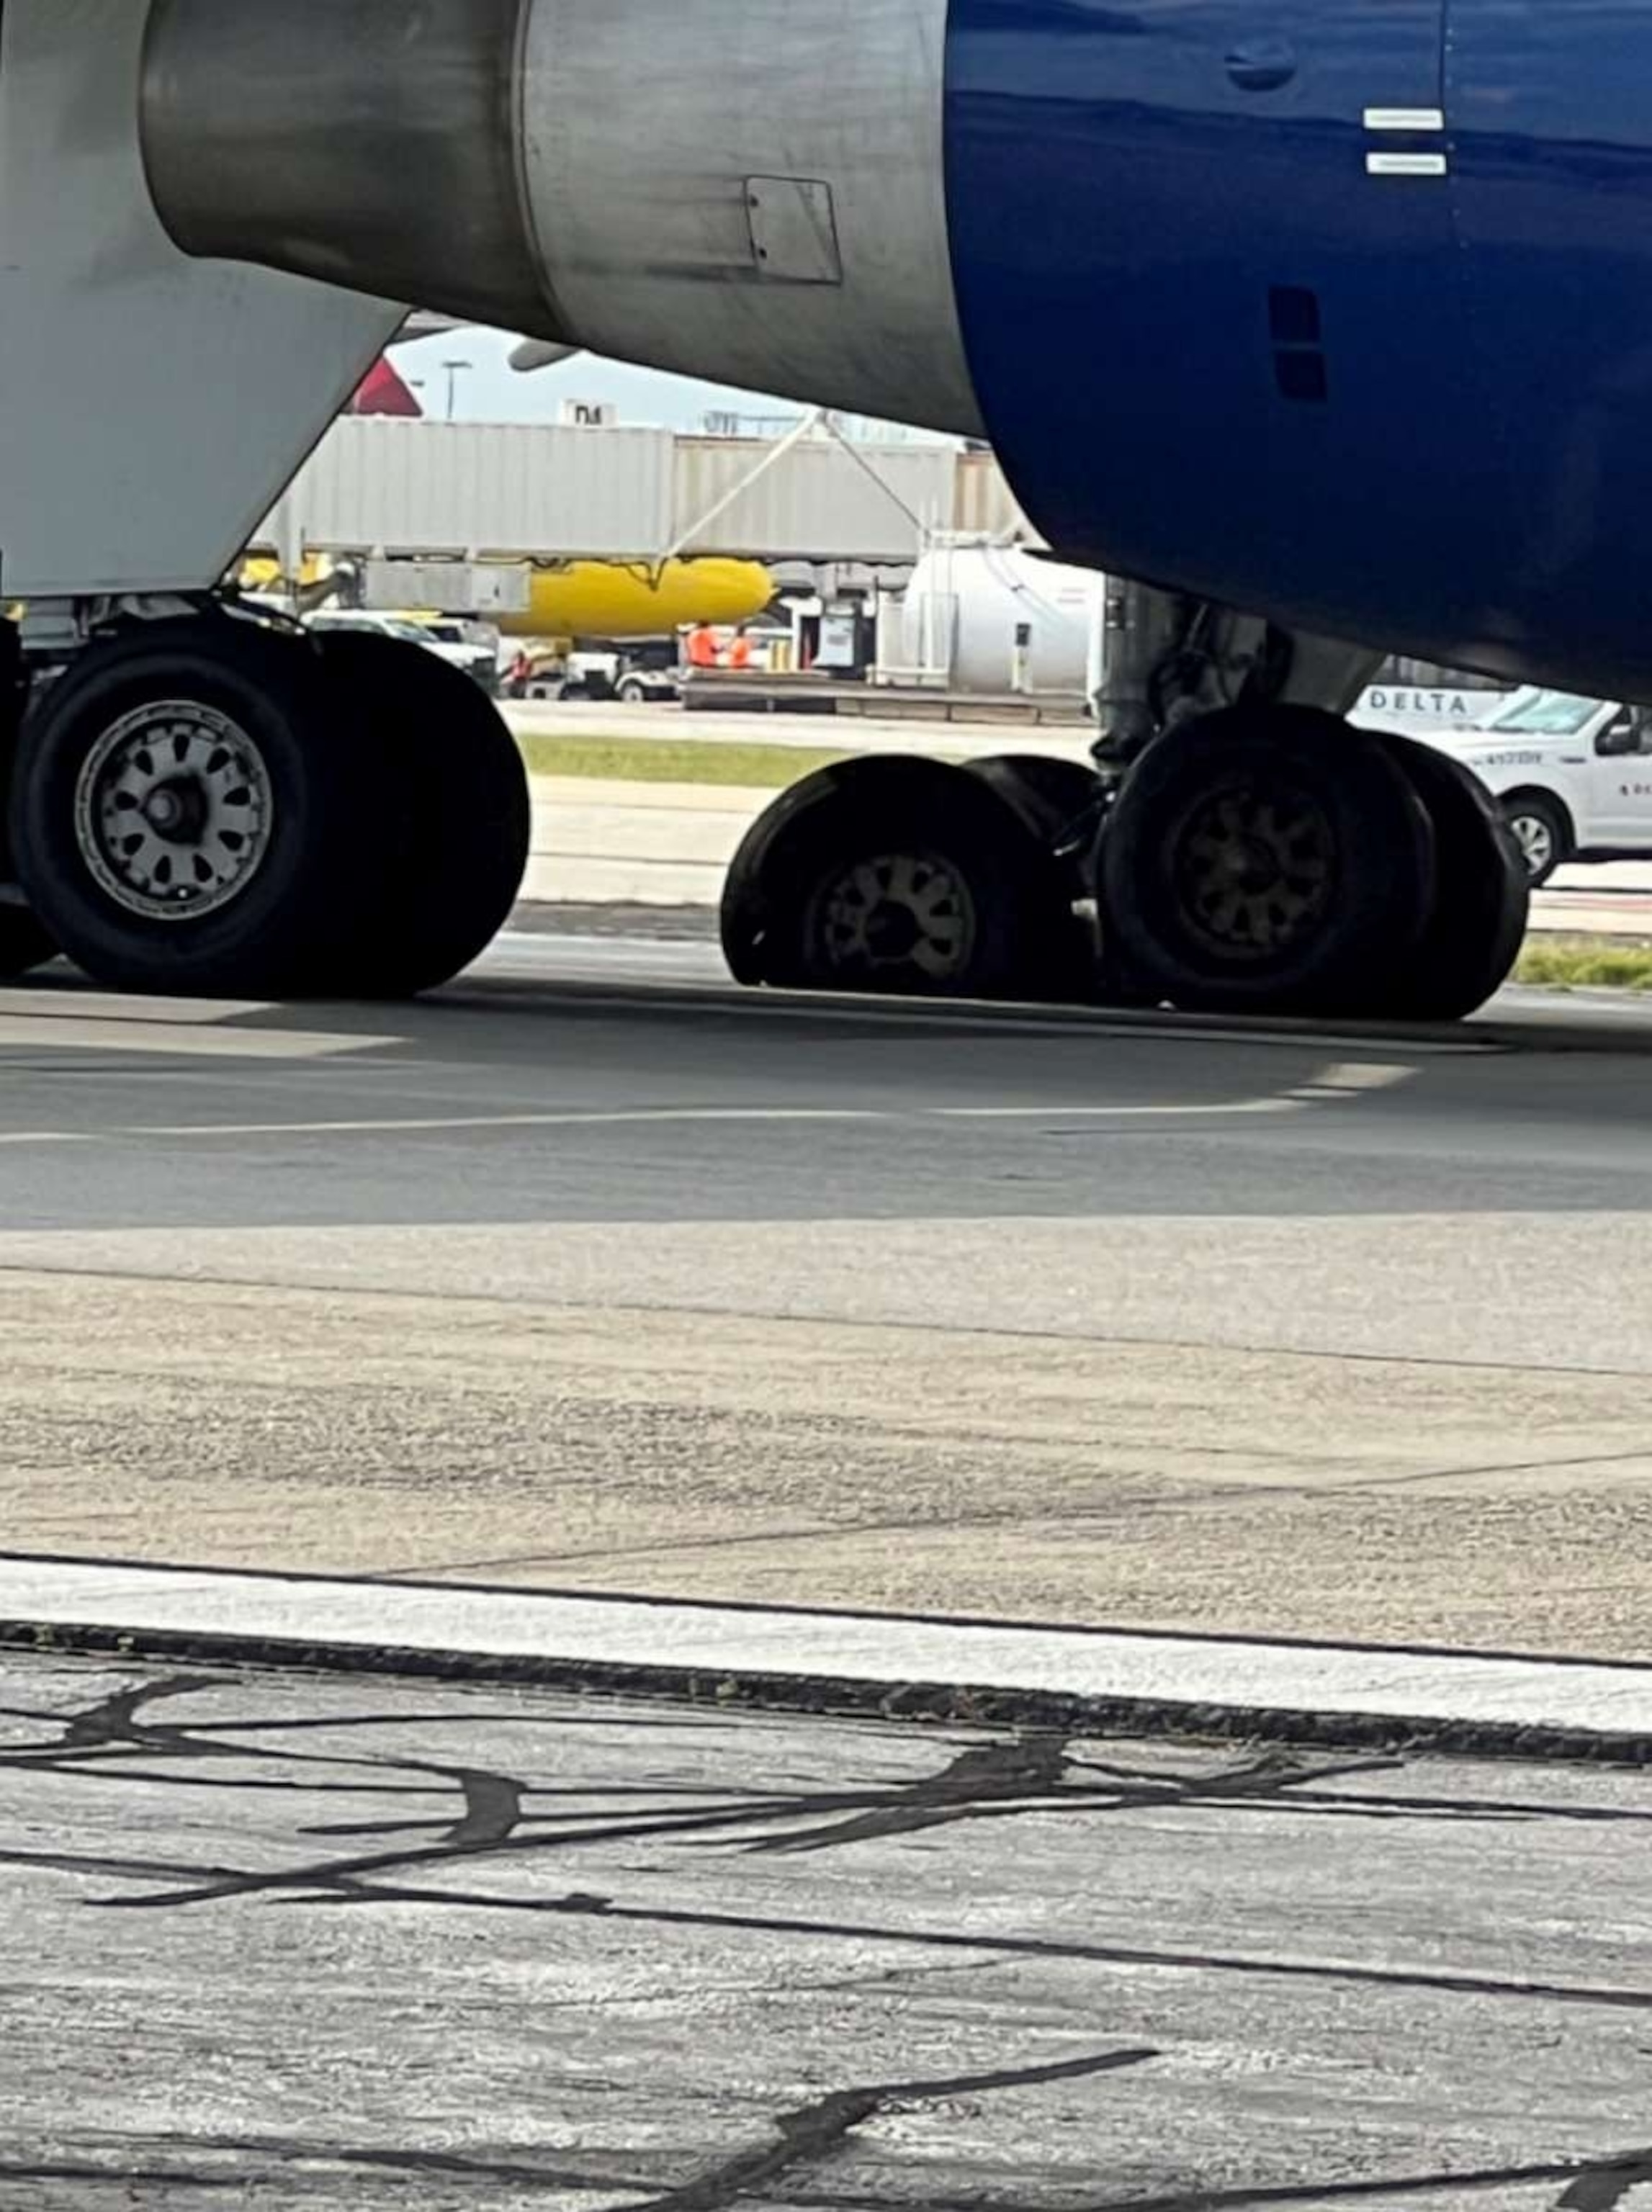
(1405, 119)
(1406, 165)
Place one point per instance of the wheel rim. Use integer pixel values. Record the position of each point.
(1253, 868)
(1536, 841)
(895, 915)
(173, 810)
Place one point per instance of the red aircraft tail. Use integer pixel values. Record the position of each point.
(386, 392)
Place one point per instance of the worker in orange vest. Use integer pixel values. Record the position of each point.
(702, 646)
(739, 652)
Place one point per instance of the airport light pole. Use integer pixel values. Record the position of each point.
(453, 370)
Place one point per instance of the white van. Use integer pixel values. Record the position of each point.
(1574, 775)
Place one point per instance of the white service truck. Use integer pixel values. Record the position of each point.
(1573, 776)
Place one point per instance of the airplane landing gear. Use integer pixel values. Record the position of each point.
(205, 805)
(452, 808)
(1266, 861)
(1261, 860)
(1477, 924)
(886, 874)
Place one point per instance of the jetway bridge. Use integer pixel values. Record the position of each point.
(553, 492)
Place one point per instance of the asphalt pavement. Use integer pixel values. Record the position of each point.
(345, 1943)
(598, 1275)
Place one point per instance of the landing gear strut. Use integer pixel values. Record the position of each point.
(205, 805)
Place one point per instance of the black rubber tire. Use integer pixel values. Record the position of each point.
(1537, 806)
(1051, 796)
(273, 939)
(773, 924)
(454, 808)
(1482, 902)
(1377, 898)
(24, 943)
(1055, 800)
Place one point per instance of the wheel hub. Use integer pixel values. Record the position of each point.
(896, 911)
(1255, 867)
(174, 810)
(1535, 841)
(179, 811)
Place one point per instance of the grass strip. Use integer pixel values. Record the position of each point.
(1586, 964)
(671, 760)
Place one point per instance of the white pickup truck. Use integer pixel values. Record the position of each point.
(1574, 776)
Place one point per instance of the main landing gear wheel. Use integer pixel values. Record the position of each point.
(1472, 936)
(186, 817)
(1059, 804)
(454, 814)
(1266, 861)
(886, 874)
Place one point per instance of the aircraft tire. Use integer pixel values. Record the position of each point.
(1050, 795)
(1268, 861)
(452, 811)
(1482, 905)
(1059, 804)
(186, 817)
(886, 874)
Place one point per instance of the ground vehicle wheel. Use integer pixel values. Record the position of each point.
(1483, 900)
(1541, 831)
(1268, 861)
(454, 808)
(185, 818)
(886, 874)
(634, 692)
(24, 944)
(1059, 802)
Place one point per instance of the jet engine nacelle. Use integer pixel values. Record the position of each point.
(743, 191)
(1336, 311)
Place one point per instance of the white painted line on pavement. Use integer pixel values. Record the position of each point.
(376, 1617)
(640, 1117)
(1364, 1075)
(1333, 1085)
(672, 1116)
(27, 1031)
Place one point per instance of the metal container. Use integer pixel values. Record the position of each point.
(995, 619)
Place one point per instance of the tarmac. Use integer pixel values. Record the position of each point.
(343, 1942)
(623, 1595)
(598, 1275)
